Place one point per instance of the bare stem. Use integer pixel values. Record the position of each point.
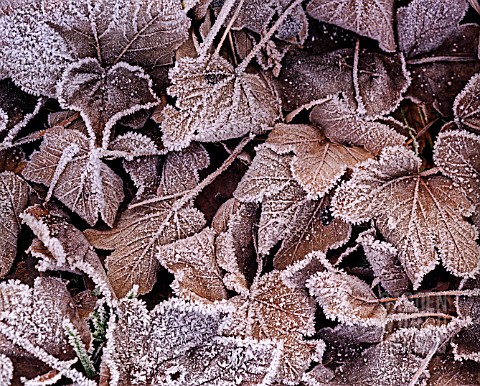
(265, 39)
(435, 59)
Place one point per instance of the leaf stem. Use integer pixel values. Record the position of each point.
(475, 292)
(264, 40)
(360, 106)
(435, 59)
(229, 26)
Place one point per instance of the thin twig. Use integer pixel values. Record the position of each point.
(436, 59)
(229, 26)
(360, 106)
(306, 106)
(475, 292)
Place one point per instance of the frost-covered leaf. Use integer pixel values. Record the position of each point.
(13, 200)
(134, 240)
(6, 370)
(141, 33)
(68, 248)
(382, 257)
(457, 153)
(36, 316)
(192, 261)
(311, 228)
(382, 79)
(76, 175)
(417, 215)
(180, 170)
(424, 24)
(318, 163)
(274, 311)
(104, 96)
(215, 103)
(373, 19)
(179, 343)
(447, 372)
(341, 124)
(346, 298)
(467, 106)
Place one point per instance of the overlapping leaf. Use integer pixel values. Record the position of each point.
(215, 103)
(418, 215)
(76, 175)
(467, 106)
(13, 200)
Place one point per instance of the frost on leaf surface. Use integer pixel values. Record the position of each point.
(382, 79)
(68, 249)
(76, 175)
(104, 96)
(192, 261)
(457, 153)
(346, 298)
(179, 343)
(340, 123)
(445, 371)
(215, 103)
(370, 18)
(6, 370)
(13, 200)
(271, 310)
(318, 163)
(34, 316)
(467, 106)
(417, 215)
(400, 360)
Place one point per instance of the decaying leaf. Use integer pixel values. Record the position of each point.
(447, 372)
(179, 343)
(341, 124)
(6, 370)
(318, 163)
(417, 215)
(346, 298)
(259, 312)
(373, 19)
(192, 261)
(13, 200)
(34, 316)
(68, 249)
(215, 103)
(104, 96)
(76, 175)
(467, 106)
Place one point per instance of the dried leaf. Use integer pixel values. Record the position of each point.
(14, 194)
(66, 246)
(215, 103)
(447, 372)
(467, 106)
(346, 298)
(76, 176)
(417, 215)
(192, 261)
(318, 164)
(104, 96)
(36, 316)
(341, 124)
(180, 343)
(373, 19)
(6, 370)
(382, 257)
(259, 312)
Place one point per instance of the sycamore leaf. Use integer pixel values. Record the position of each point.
(382, 79)
(341, 124)
(346, 298)
(373, 19)
(141, 33)
(318, 164)
(76, 176)
(6, 370)
(215, 103)
(192, 261)
(259, 312)
(467, 106)
(68, 249)
(36, 316)
(179, 343)
(423, 24)
(382, 257)
(14, 194)
(104, 96)
(457, 153)
(422, 217)
(135, 237)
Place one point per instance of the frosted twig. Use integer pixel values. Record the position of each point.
(306, 106)
(229, 26)
(361, 107)
(475, 292)
(435, 59)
